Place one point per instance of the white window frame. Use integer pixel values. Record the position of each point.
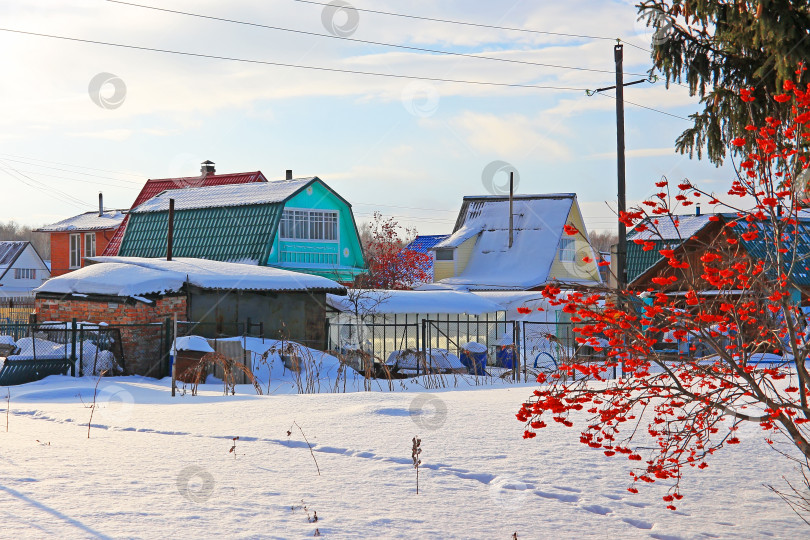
(75, 251)
(299, 224)
(89, 242)
(25, 273)
(568, 250)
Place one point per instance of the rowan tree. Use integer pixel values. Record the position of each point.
(390, 265)
(731, 297)
(718, 48)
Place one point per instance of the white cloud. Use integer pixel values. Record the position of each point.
(513, 136)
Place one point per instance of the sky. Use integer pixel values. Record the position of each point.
(78, 118)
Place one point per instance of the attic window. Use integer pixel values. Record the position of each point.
(444, 254)
(567, 249)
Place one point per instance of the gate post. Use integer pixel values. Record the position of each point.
(73, 350)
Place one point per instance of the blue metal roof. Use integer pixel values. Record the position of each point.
(422, 244)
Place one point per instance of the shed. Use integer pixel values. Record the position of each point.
(221, 296)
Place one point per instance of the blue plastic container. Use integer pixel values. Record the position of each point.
(505, 356)
(474, 357)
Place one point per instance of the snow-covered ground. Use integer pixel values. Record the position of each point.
(161, 467)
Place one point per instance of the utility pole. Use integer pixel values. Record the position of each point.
(621, 252)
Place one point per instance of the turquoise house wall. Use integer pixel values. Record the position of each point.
(340, 260)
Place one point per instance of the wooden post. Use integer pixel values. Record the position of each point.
(174, 355)
(170, 238)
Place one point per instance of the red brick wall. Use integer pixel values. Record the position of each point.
(60, 248)
(142, 344)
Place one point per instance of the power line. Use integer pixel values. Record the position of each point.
(77, 172)
(464, 23)
(74, 166)
(59, 177)
(297, 66)
(36, 184)
(645, 107)
(368, 42)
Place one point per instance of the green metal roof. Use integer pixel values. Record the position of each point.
(639, 261)
(235, 233)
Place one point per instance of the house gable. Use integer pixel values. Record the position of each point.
(20, 255)
(575, 259)
(341, 259)
(483, 228)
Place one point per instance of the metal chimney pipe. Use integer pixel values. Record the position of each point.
(100, 204)
(170, 234)
(511, 201)
(289, 174)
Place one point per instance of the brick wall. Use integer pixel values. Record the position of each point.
(143, 344)
(60, 248)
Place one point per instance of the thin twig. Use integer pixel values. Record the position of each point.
(310, 446)
(93, 406)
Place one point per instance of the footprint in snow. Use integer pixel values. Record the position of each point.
(638, 523)
(559, 496)
(597, 509)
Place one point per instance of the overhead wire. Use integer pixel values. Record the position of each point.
(368, 42)
(297, 66)
(465, 23)
(72, 165)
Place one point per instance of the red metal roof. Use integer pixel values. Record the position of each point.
(154, 187)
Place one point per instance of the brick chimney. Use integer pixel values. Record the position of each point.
(207, 167)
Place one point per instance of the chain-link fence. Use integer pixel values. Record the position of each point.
(33, 351)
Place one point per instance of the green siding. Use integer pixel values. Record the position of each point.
(639, 261)
(236, 233)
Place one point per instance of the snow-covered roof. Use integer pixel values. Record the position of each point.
(225, 195)
(671, 228)
(136, 276)
(538, 224)
(377, 301)
(89, 221)
(192, 343)
(10, 250)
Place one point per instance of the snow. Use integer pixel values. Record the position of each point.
(437, 359)
(192, 343)
(537, 227)
(666, 229)
(138, 276)
(88, 221)
(474, 347)
(387, 302)
(156, 466)
(224, 195)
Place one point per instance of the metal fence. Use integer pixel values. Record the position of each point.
(31, 352)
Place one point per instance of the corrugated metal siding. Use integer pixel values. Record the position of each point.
(153, 187)
(223, 234)
(639, 261)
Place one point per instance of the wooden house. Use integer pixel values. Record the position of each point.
(489, 250)
(21, 271)
(297, 224)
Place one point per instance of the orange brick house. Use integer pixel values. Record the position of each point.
(78, 237)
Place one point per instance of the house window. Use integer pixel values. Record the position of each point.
(444, 254)
(90, 245)
(75, 250)
(568, 250)
(309, 225)
(25, 273)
